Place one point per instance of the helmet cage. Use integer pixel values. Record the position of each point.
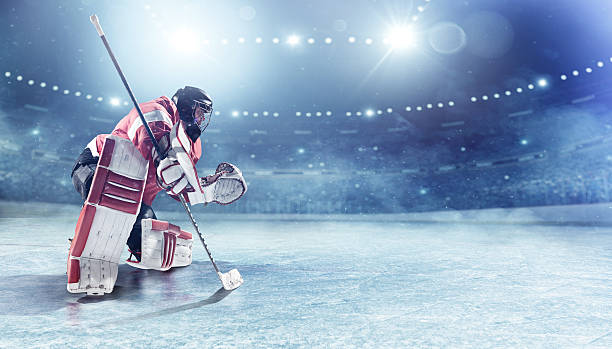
(201, 113)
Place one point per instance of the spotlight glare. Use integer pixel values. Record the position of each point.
(19, 77)
(114, 101)
(185, 40)
(297, 113)
(275, 114)
(258, 40)
(351, 39)
(100, 99)
(275, 40)
(474, 99)
(55, 88)
(429, 106)
(348, 113)
(600, 64)
(311, 41)
(77, 93)
(358, 113)
(235, 113)
(496, 96)
(308, 114)
(530, 86)
(379, 112)
(519, 90)
(369, 112)
(329, 113)
(368, 41)
(88, 97)
(485, 98)
(408, 108)
(241, 40)
(7, 74)
(575, 73)
(319, 113)
(245, 113)
(508, 93)
(589, 70)
(30, 82)
(419, 108)
(440, 105)
(563, 77)
(389, 110)
(43, 84)
(328, 40)
(224, 42)
(401, 37)
(451, 104)
(542, 83)
(66, 92)
(265, 113)
(293, 40)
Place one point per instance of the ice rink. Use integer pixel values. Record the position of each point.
(499, 278)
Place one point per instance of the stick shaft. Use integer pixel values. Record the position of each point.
(195, 226)
(129, 90)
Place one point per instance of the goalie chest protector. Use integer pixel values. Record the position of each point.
(107, 217)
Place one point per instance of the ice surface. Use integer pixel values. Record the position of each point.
(317, 283)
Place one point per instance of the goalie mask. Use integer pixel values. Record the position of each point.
(195, 109)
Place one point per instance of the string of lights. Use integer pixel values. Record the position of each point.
(537, 84)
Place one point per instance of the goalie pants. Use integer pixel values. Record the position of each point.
(82, 176)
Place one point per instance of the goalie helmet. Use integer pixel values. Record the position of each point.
(195, 109)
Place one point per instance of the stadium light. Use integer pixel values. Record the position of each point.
(542, 83)
(258, 40)
(293, 40)
(401, 37)
(235, 113)
(185, 40)
(369, 112)
(114, 101)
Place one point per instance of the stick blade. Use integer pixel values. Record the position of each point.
(231, 280)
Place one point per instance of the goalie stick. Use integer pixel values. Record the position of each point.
(230, 280)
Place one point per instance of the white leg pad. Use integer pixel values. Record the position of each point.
(106, 218)
(163, 246)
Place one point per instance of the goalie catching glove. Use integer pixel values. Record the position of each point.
(225, 186)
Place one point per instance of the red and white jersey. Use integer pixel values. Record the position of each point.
(161, 114)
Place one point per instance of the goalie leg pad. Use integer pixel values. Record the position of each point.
(164, 246)
(106, 218)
